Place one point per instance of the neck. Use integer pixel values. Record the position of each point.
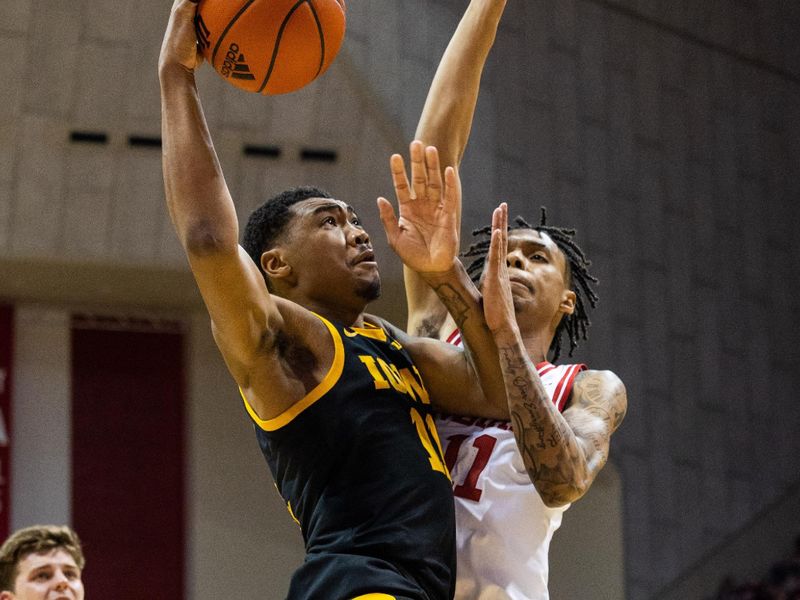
(536, 342)
(348, 316)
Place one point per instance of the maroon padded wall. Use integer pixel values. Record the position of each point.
(127, 480)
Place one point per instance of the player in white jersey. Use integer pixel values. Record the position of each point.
(494, 495)
(512, 484)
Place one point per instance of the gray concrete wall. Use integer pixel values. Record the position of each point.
(668, 133)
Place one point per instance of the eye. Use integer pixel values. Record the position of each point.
(539, 256)
(329, 221)
(42, 576)
(356, 221)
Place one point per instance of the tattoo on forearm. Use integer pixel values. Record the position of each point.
(456, 305)
(560, 456)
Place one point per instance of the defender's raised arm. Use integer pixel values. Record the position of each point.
(445, 123)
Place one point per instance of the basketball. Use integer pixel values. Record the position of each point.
(270, 46)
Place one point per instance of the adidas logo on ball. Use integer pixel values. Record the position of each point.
(235, 65)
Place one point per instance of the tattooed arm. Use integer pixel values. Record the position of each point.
(562, 453)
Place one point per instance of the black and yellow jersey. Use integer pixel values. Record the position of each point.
(359, 464)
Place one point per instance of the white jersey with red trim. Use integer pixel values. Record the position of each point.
(503, 529)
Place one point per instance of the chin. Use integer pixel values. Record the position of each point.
(369, 290)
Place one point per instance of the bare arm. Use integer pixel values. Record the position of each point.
(445, 123)
(562, 453)
(245, 318)
(425, 238)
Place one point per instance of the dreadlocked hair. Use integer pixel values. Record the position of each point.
(578, 277)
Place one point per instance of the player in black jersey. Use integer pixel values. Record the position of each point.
(338, 399)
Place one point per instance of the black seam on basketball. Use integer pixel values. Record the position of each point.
(278, 43)
(227, 27)
(321, 37)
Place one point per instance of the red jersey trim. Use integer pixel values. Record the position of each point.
(564, 387)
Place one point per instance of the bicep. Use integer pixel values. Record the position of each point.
(242, 311)
(451, 383)
(597, 407)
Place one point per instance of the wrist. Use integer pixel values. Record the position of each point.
(450, 274)
(506, 334)
(169, 71)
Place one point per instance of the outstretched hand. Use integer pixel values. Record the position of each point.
(179, 46)
(425, 236)
(498, 304)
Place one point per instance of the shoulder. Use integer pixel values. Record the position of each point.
(600, 390)
(394, 331)
(599, 379)
(423, 350)
(298, 339)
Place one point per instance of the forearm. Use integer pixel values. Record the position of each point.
(197, 196)
(553, 455)
(447, 116)
(446, 122)
(459, 295)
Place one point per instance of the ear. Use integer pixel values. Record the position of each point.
(7, 596)
(275, 266)
(567, 304)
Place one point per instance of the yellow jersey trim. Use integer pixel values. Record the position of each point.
(375, 597)
(323, 387)
(369, 331)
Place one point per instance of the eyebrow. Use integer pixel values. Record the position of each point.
(333, 207)
(326, 207)
(541, 245)
(64, 566)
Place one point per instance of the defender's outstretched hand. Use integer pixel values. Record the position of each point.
(498, 304)
(180, 41)
(425, 236)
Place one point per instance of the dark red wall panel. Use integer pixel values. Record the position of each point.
(128, 489)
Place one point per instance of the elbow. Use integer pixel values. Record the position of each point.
(555, 497)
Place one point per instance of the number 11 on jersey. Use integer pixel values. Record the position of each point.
(484, 444)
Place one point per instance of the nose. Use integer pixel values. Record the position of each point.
(514, 259)
(359, 236)
(61, 581)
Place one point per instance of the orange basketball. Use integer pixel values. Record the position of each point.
(270, 46)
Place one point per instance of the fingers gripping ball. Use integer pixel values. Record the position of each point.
(270, 46)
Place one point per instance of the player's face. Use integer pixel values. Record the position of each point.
(537, 271)
(49, 575)
(332, 253)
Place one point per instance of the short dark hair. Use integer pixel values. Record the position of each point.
(579, 280)
(266, 223)
(39, 538)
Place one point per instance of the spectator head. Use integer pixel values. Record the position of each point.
(39, 561)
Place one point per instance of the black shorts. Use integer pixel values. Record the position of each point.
(351, 577)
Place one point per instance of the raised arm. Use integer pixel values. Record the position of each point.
(460, 381)
(563, 453)
(445, 123)
(245, 318)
